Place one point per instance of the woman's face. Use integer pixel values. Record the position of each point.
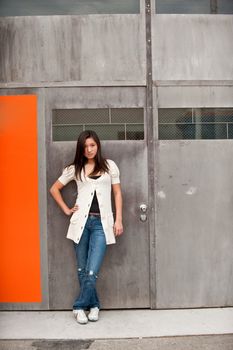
(90, 148)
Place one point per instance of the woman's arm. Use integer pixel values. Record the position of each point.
(55, 191)
(118, 227)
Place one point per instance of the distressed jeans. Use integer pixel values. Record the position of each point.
(90, 253)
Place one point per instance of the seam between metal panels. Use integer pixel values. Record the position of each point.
(150, 152)
(187, 83)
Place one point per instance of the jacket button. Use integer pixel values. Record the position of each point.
(81, 227)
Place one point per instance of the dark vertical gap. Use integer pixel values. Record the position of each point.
(213, 6)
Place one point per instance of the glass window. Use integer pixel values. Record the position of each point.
(194, 6)
(108, 123)
(225, 6)
(126, 115)
(195, 123)
(82, 116)
(67, 7)
(177, 115)
(183, 6)
(66, 132)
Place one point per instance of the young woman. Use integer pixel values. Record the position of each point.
(92, 226)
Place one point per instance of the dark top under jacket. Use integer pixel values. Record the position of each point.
(95, 205)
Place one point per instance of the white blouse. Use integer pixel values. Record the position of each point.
(86, 189)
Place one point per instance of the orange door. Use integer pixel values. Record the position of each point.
(19, 211)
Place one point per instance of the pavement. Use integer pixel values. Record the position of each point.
(183, 329)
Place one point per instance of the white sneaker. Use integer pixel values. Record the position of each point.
(80, 316)
(94, 314)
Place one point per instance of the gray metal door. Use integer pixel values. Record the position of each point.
(124, 278)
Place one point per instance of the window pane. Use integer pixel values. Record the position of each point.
(225, 6)
(80, 116)
(127, 115)
(230, 131)
(134, 132)
(212, 115)
(192, 131)
(175, 115)
(67, 7)
(109, 123)
(183, 6)
(66, 133)
(196, 123)
(109, 132)
(176, 131)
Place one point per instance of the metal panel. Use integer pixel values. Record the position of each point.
(68, 7)
(194, 96)
(42, 203)
(192, 47)
(124, 279)
(194, 225)
(97, 49)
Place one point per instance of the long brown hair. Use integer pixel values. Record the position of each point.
(80, 160)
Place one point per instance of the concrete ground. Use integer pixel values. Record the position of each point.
(187, 329)
(214, 342)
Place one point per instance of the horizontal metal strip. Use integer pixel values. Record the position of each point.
(45, 84)
(193, 83)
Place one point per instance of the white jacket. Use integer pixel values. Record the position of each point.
(86, 189)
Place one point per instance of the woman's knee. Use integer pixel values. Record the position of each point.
(91, 277)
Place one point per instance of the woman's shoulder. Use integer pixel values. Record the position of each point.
(67, 175)
(113, 171)
(69, 170)
(111, 163)
(113, 167)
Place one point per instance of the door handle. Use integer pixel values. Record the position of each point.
(143, 207)
(143, 217)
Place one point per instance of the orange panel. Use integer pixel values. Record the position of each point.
(19, 211)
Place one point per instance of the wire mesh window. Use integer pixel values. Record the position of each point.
(195, 123)
(108, 123)
(67, 7)
(194, 6)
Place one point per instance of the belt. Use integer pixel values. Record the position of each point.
(94, 214)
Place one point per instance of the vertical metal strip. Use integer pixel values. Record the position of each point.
(151, 152)
(213, 6)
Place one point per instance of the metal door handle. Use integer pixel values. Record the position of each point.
(143, 217)
(143, 208)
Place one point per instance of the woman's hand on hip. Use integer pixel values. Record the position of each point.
(69, 211)
(118, 228)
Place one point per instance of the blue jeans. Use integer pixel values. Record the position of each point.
(90, 253)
